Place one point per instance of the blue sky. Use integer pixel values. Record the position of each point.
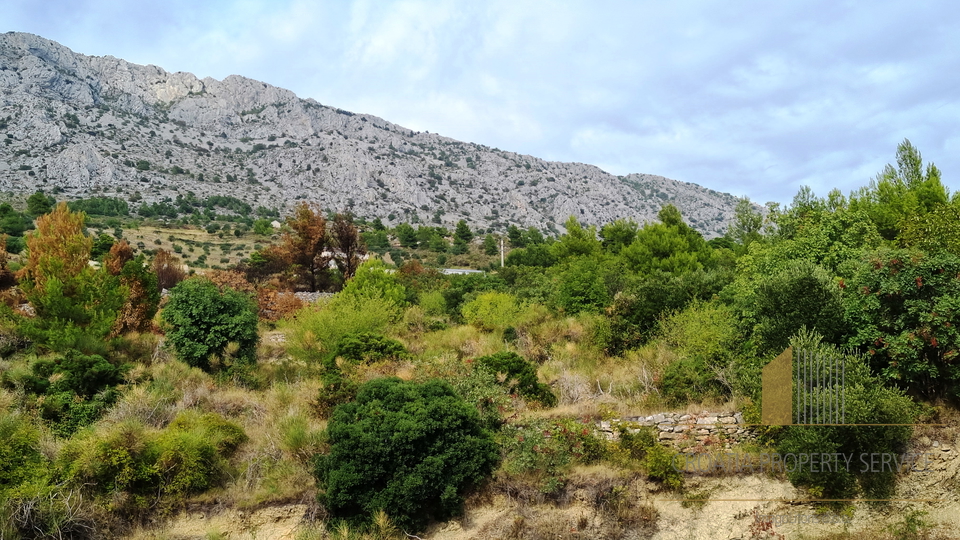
(751, 98)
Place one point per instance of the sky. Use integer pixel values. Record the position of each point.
(752, 98)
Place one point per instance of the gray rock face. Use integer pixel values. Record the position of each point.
(83, 123)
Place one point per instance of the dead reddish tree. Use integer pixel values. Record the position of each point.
(168, 269)
(348, 246)
(304, 246)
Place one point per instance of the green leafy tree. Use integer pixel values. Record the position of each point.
(490, 246)
(373, 281)
(618, 234)
(75, 305)
(936, 231)
(491, 310)
(39, 204)
(262, 226)
(909, 189)
(12, 222)
(516, 237)
(902, 307)
(203, 320)
(876, 422)
(463, 232)
(747, 223)
(532, 236)
(536, 255)
(406, 235)
(802, 295)
(580, 286)
(670, 246)
(636, 310)
(577, 241)
(410, 449)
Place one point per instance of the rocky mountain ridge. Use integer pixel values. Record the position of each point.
(85, 125)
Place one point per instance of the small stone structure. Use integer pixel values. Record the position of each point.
(680, 428)
(312, 297)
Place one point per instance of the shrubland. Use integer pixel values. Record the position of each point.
(405, 396)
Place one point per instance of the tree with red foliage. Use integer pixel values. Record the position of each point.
(304, 246)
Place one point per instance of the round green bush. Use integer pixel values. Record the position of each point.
(410, 449)
(521, 376)
(203, 320)
(363, 347)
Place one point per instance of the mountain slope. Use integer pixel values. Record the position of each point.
(100, 125)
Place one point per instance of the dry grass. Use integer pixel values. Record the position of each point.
(594, 502)
(464, 341)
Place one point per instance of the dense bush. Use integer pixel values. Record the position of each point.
(71, 391)
(373, 281)
(20, 457)
(136, 467)
(491, 311)
(519, 376)
(411, 449)
(203, 320)
(803, 295)
(367, 347)
(690, 379)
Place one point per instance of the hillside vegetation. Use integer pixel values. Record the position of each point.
(405, 396)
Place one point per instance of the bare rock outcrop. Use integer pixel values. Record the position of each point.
(101, 125)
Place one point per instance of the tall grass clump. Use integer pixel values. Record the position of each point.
(315, 330)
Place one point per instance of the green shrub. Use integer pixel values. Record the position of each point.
(636, 442)
(337, 389)
(72, 391)
(20, 457)
(546, 448)
(480, 388)
(432, 303)
(373, 281)
(866, 401)
(580, 286)
(520, 376)
(690, 379)
(203, 320)
(365, 347)
(315, 330)
(411, 449)
(803, 295)
(148, 467)
(81, 374)
(491, 311)
(660, 463)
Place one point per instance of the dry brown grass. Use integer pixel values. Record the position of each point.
(594, 502)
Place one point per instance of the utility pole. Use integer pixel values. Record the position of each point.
(501, 252)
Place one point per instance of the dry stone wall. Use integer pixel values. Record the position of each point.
(682, 428)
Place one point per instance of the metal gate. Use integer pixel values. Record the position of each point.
(819, 396)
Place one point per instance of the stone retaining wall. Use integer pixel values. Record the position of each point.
(680, 428)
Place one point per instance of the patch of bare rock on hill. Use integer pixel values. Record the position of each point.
(100, 125)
